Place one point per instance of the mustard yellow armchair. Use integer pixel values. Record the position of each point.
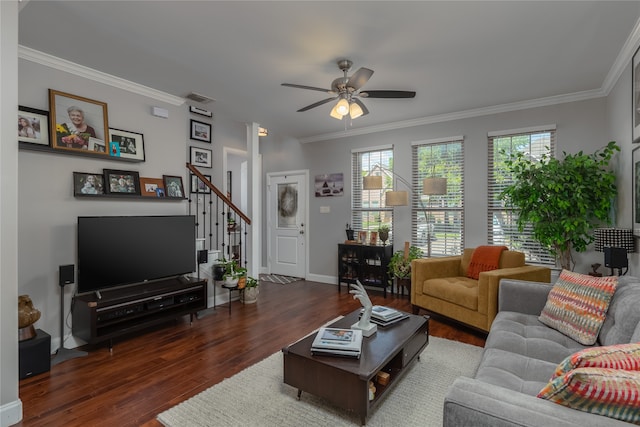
(441, 285)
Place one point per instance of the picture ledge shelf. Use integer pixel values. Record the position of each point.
(48, 150)
(129, 196)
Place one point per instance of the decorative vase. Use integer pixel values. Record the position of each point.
(349, 234)
(218, 272)
(249, 295)
(384, 236)
(230, 281)
(242, 282)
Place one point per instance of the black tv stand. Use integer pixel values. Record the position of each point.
(108, 314)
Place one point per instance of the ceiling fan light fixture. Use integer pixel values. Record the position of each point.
(342, 107)
(334, 113)
(355, 111)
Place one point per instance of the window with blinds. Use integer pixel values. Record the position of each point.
(368, 210)
(438, 219)
(502, 219)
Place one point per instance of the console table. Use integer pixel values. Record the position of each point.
(369, 264)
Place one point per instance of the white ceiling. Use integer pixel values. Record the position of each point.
(458, 56)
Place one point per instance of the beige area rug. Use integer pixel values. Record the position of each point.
(258, 397)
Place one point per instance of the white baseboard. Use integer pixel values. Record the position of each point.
(11, 413)
(333, 280)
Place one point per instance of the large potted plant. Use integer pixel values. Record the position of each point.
(563, 200)
(400, 265)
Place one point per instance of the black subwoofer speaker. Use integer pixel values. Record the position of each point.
(615, 258)
(35, 355)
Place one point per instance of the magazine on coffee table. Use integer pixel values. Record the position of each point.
(339, 340)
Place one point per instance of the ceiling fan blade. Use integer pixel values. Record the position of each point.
(361, 104)
(319, 89)
(359, 78)
(316, 104)
(387, 94)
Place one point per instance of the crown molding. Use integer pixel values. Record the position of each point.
(95, 75)
(623, 58)
(476, 112)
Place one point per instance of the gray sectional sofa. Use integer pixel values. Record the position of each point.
(520, 356)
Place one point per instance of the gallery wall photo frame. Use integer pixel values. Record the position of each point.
(87, 184)
(126, 144)
(33, 126)
(77, 123)
(199, 187)
(201, 157)
(152, 187)
(200, 131)
(122, 182)
(635, 167)
(173, 186)
(635, 113)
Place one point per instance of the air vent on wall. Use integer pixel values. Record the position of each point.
(199, 98)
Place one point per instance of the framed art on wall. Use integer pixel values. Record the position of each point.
(122, 182)
(197, 186)
(200, 131)
(201, 157)
(635, 114)
(635, 167)
(78, 123)
(33, 126)
(87, 184)
(173, 186)
(126, 144)
(152, 187)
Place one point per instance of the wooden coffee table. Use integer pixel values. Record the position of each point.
(345, 381)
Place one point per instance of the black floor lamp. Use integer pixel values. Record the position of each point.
(615, 243)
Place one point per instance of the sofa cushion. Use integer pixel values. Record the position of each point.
(523, 334)
(577, 305)
(457, 290)
(623, 317)
(620, 356)
(613, 393)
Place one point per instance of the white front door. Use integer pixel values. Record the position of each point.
(287, 216)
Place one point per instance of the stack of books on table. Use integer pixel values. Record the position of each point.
(384, 316)
(337, 342)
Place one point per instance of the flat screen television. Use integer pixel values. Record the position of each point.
(115, 251)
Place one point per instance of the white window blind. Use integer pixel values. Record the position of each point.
(368, 210)
(438, 218)
(502, 218)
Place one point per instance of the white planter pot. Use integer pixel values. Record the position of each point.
(250, 295)
(230, 281)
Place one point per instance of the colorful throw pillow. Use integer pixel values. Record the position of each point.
(613, 393)
(577, 305)
(619, 356)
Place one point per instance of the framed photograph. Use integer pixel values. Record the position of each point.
(201, 157)
(635, 166)
(197, 186)
(87, 184)
(122, 182)
(33, 126)
(373, 238)
(362, 237)
(635, 71)
(328, 185)
(77, 123)
(126, 144)
(173, 186)
(200, 111)
(152, 187)
(200, 131)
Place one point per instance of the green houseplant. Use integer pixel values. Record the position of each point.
(250, 293)
(399, 266)
(563, 200)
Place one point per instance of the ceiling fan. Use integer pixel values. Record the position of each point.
(347, 90)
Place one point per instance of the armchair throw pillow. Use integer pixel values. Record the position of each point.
(577, 305)
(484, 258)
(618, 356)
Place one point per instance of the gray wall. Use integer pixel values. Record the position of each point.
(580, 126)
(48, 210)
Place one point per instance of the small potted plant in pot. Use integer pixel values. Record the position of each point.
(250, 293)
(233, 273)
(383, 233)
(400, 265)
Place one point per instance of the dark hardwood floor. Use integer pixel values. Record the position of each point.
(150, 372)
